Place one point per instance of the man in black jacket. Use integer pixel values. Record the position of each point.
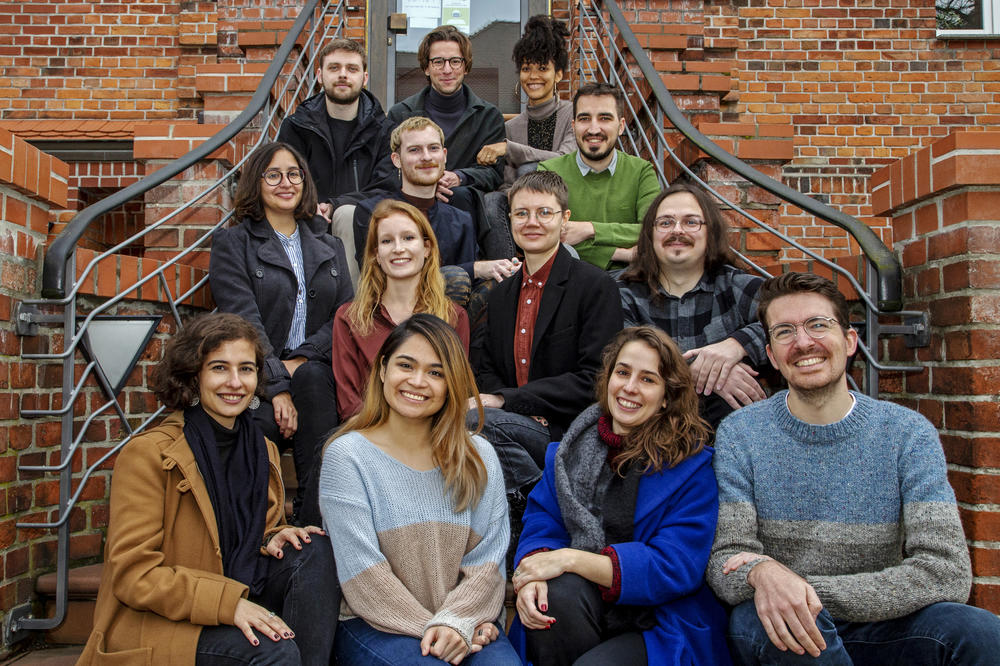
(469, 122)
(344, 136)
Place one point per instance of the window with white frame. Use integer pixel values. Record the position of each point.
(968, 18)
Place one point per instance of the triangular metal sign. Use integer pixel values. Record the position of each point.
(117, 342)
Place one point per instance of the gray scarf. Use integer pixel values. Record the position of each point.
(582, 480)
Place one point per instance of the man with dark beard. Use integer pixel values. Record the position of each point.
(684, 280)
(344, 135)
(609, 191)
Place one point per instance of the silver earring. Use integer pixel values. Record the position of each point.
(254, 402)
(195, 401)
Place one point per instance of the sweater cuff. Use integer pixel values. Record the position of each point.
(611, 594)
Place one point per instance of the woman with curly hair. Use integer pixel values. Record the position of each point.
(545, 129)
(416, 510)
(400, 276)
(199, 566)
(618, 532)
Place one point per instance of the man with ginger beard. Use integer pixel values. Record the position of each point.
(609, 190)
(418, 152)
(683, 280)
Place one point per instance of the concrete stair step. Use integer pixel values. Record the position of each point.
(61, 656)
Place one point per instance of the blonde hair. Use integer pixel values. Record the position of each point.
(452, 449)
(412, 124)
(431, 297)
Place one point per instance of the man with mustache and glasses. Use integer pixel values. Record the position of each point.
(839, 540)
(418, 152)
(609, 191)
(344, 135)
(683, 280)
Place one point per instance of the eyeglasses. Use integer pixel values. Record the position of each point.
(667, 223)
(273, 177)
(543, 215)
(456, 63)
(815, 327)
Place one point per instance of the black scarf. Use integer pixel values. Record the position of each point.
(238, 492)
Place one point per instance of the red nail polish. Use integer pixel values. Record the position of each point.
(544, 607)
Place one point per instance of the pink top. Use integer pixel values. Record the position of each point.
(353, 353)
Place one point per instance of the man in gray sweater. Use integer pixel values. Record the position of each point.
(839, 539)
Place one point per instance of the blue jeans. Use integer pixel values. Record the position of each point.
(359, 644)
(520, 442)
(942, 633)
(302, 589)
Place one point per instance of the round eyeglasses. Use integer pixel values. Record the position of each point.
(273, 177)
(456, 63)
(543, 215)
(815, 327)
(667, 223)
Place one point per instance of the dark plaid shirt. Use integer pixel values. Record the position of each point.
(720, 306)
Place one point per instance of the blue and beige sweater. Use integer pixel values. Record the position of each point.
(406, 560)
(860, 508)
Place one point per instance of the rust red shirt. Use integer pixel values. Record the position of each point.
(528, 302)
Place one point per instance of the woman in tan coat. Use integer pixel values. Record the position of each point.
(199, 565)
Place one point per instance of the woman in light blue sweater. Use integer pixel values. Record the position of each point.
(416, 511)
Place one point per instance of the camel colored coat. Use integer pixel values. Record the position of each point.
(162, 575)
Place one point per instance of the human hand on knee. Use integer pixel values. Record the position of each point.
(532, 604)
(444, 643)
(483, 635)
(249, 616)
(787, 607)
(293, 535)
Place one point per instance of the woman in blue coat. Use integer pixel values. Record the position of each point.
(617, 533)
(280, 270)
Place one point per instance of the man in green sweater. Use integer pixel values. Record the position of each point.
(609, 191)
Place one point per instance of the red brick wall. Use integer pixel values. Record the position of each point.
(943, 201)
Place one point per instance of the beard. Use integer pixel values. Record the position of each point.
(342, 98)
(597, 154)
(423, 177)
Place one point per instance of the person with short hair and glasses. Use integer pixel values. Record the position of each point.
(539, 349)
(468, 122)
(684, 280)
(279, 269)
(839, 540)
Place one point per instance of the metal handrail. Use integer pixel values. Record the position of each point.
(61, 286)
(54, 269)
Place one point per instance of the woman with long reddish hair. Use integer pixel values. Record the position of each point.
(618, 532)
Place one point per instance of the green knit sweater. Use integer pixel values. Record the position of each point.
(614, 204)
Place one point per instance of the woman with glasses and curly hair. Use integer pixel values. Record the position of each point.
(280, 270)
(617, 534)
(400, 276)
(416, 511)
(199, 566)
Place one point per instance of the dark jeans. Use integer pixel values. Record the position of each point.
(302, 589)
(520, 442)
(360, 644)
(495, 239)
(579, 636)
(314, 394)
(942, 633)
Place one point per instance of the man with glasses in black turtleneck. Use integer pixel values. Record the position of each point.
(469, 122)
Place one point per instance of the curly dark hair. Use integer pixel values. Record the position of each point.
(676, 432)
(247, 200)
(175, 380)
(544, 41)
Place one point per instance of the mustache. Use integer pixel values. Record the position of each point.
(677, 238)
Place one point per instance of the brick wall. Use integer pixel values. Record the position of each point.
(944, 201)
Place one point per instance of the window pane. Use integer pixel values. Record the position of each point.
(959, 14)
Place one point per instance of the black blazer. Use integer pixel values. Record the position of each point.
(579, 314)
(251, 276)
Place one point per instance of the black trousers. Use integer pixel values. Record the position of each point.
(302, 589)
(579, 635)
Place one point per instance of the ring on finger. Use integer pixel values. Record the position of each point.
(270, 614)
